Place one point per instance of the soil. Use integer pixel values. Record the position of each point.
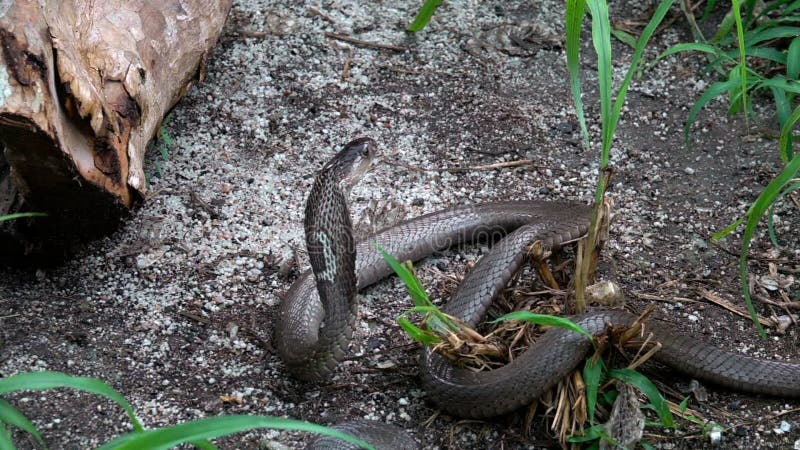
(176, 309)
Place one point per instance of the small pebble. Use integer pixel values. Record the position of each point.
(783, 428)
(715, 435)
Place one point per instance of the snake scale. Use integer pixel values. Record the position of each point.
(318, 313)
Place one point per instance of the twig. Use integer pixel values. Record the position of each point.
(784, 305)
(254, 34)
(316, 12)
(751, 258)
(765, 418)
(265, 345)
(403, 70)
(794, 200)
(688, 11)
(135, 249)
(500, 165)
(747, 423)
(723, 248)
(727, 305)
(537, 253)
(9, 316)
(362, 43)
(661, 299)
(212, 213)
(639, 359)
(637, 327)
(195, 317)
(347, 62)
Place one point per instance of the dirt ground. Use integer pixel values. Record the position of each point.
(176, 309)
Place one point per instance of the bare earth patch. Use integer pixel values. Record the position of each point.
(176, 309)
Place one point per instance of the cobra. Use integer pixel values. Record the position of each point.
(318, 313)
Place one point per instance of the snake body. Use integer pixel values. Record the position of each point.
(317, 315)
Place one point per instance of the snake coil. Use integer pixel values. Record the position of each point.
(317, 316)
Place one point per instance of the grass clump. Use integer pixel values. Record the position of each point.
(15, 216)
(756, 48)
(196, 432)
(589, 394)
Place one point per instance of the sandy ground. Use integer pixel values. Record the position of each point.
(176, 309)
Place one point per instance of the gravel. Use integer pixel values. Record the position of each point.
(176, 309)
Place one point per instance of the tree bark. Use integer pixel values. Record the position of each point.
(84, 86)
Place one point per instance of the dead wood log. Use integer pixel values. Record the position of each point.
(84, 86)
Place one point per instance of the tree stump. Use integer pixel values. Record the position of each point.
(84, 86)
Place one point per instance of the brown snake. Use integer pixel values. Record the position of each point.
(316, 321)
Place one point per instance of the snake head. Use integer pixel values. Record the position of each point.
(351, 162)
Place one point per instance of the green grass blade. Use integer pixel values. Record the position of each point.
(727, 230)
(624, 37)
(647, 33)
(709, 7)
(415, 289)
(771, 7)
(607, 398)
(590, 434)
(574, 18)
(21, 215)
(735, 96)
(165, 136)
(424, 15)
(601, 39)
(204, 445)
(649, 389)
(544, 319)
(761, 52)
(764, 200)
(212, 427)
(713, 91)
(783, 107)
(416, 333)
(717, 63)
(5, 438)
(791, 8)
(793, 60)
(785, 142)
(436, 320)
(771, 226)
(749, 6)
(689, 47)
(38, 381)
(772, 33)
(592, 375)
(12, 416)
(778, 81)
(737, 15)
(724, 29)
